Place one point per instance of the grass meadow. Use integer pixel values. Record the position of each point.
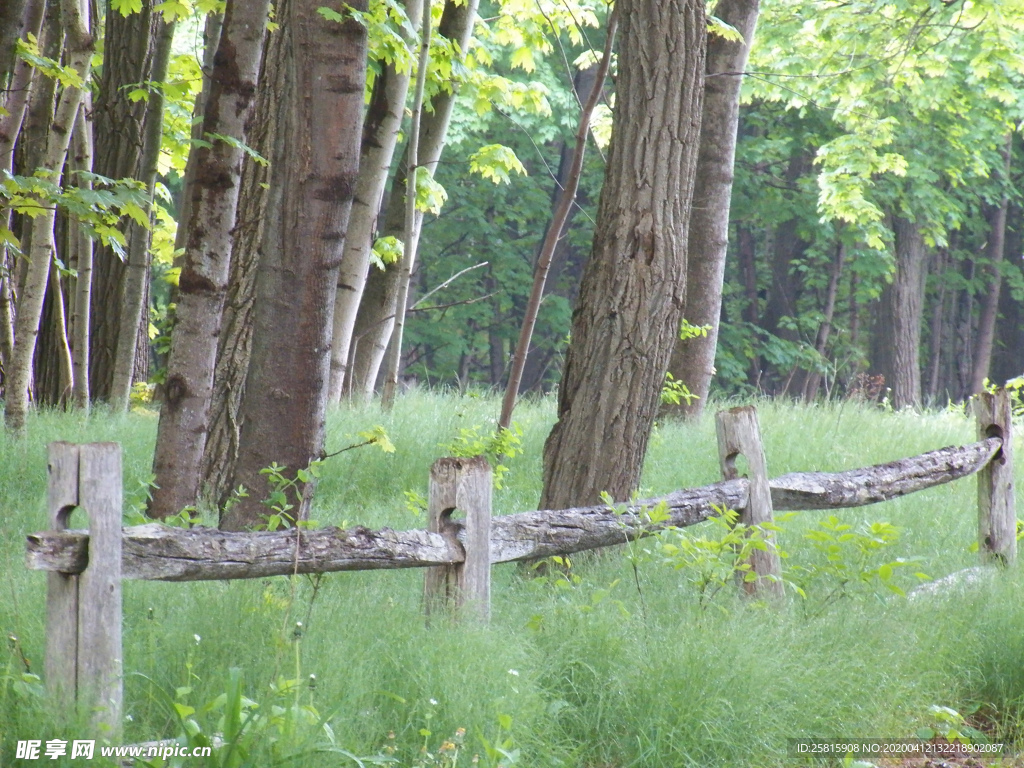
(621, 664)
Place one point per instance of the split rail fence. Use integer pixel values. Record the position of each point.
(85, 568)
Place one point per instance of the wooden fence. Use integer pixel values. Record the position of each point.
(85, 569)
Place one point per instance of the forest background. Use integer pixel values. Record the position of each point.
(155, 157)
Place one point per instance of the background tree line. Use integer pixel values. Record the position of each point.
(212, 196)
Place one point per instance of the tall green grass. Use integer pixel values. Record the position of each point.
(615, 668)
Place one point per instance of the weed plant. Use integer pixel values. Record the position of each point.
(604, 667)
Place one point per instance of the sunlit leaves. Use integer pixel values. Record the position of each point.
(126, 7)
(28, 51)
(726, 31)
(495, 162)
(386, 251)
(430, 195)
(99, 208)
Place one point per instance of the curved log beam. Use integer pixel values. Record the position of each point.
(857, 487)
(530, 535)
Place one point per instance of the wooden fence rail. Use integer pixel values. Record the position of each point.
(86, 568)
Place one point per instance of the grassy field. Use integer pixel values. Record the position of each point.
(620, 665)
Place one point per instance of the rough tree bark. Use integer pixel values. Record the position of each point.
(693, 360)
(631, 301)
(376, 316)
(11, 28)
(235, 344)
(136, 269)
(380, 135)
(313, 173)
(181, 434)
(119, 136)
(898, 332)
(995, 250)
(78, 47)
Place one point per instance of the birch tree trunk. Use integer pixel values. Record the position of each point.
(380, 135)
(181, 434)
(376, 317)
(693, 359)
(82, 249)
(314, 167)
(631, 300)
(22, 81)
(78, 49)
(136, 272)
(410, 239)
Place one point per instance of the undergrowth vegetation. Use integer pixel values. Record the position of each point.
(639, 656)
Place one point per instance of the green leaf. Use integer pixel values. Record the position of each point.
(494, 162)
(126, 7)
(726, 31)
(330, 14)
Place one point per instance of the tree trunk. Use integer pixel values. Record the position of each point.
(120, 129)
(82, 247)
(747, 253)
(16, 99)
(376, 316)
(935, 345)
(565, 203)
(136, 272)
(813, 381)
(413, 220)
(313, 173)
(380, 135)
(1008, 354)
(181, 435)
(65, 368)
(22, 80)
(235, 345)
(995, 251)
(900, 328)
(693, 359)
(631, 301)
(211, 41)
(964, 324)
(78, 53)
(12, 16)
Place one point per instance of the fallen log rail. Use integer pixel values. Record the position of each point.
(85, 569)
(157, 552)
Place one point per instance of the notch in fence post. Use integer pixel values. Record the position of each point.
(738, 433)
(463, 484)
(83, 612)
(997, 520)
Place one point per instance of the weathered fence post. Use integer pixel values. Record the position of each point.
(739, 433)
(83, 611)
(463, 484)
(997, 520)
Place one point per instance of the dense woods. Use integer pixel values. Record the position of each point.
(237, 209)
